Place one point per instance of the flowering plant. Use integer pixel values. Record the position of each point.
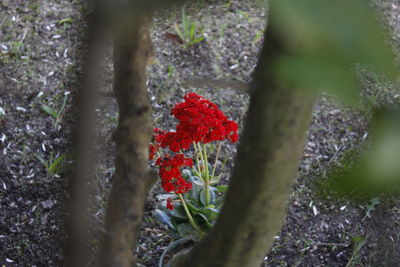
(194, 200)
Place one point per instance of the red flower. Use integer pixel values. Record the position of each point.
(234, 137)
(200, 120)
(158, 137)
(168, 186)
(170, 206)
(153, 150)
(170, 174)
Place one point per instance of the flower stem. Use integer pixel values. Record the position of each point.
(216, 158)
(197, 159)
(191, 220)
(200, 152)
(208, 198)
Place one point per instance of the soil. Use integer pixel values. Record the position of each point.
(40, 63)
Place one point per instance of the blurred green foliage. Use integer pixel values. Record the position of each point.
(376, 168)
(324, 40)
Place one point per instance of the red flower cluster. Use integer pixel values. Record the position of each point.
(170, 174)
(200, 120)
(203, 121)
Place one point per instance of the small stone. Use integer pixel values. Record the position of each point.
(43, 220)
(315, 211)
(47, 204)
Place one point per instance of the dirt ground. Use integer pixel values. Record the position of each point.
(40, 63)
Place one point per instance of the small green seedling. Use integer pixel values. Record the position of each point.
(257, 37)
(373, 202)
(188, 31)
(358, 242)
(56, 114)
(54, 165)
(170, 71)
(65, 21)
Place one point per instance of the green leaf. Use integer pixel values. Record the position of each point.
(194, 173)
(192, 206)
(205, 220)
(375, 201)
(197, 40)
(170, 248)
(163, 217)
(359, 240)
(203, 196)
(64, 103)
(222, 188)
(43, 161)
(210, 168)
(197, 186)
(185, 20)
(56, 165)
(176, 221)
(186, 230)
(197, 180)
(215, 177)
(49, 110)
(178, 211)
(215, 180)
(66, 21)
(179, 32)
(192, 31)
(210, 213)
(219, 202)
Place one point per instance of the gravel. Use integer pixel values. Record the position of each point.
(40, 52)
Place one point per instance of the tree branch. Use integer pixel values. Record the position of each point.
(132, 179)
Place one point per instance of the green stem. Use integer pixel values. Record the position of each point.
(206, 162)
(200, 152)
(216, 158)
(207, 178)
(192, 222)
(197, 172)
(197, 160)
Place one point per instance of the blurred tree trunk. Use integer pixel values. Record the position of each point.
(77, 251)
(132, 179)
(265, 167)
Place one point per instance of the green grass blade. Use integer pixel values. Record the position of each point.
(49, 110)
(55, 166)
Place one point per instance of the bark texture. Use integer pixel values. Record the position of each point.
(265, 167)
(132, 179)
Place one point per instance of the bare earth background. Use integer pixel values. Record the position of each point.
(40, 57)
